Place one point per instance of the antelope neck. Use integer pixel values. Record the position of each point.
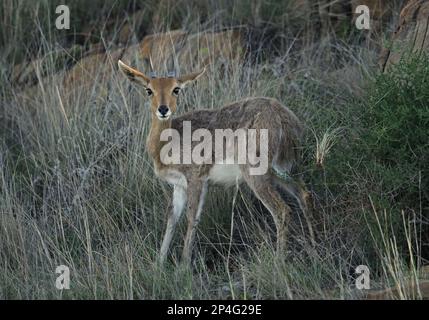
(154, 143)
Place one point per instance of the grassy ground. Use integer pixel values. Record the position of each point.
(77, 188)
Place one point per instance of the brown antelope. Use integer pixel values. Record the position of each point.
(190, 181)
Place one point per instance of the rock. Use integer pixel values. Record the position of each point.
(95, 66)
(409, 290)
(191, 51)
(412, 33)
(76, 82)
(90, 70)
(207, 48)
(28, 73)
(155, 49)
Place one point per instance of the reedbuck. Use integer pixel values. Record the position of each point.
(190, 181)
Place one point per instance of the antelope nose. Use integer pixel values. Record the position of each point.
(163, 110)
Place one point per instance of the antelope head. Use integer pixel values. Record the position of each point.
(163, 92)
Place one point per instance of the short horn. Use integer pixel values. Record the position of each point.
(152, 72)
(171, 70)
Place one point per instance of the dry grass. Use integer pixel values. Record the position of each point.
(77, 188)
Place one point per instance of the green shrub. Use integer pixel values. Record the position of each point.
(397, 120)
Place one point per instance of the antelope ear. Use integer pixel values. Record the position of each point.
(133, 74)
(184, 80)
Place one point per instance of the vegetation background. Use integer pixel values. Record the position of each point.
(77, 188)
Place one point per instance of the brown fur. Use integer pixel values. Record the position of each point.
(191, 181)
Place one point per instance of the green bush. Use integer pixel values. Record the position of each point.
(397, 121)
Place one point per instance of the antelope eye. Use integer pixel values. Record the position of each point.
(149, 92)
(176, 91)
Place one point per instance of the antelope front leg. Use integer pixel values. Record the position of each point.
(178, 204)
(196, 195)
